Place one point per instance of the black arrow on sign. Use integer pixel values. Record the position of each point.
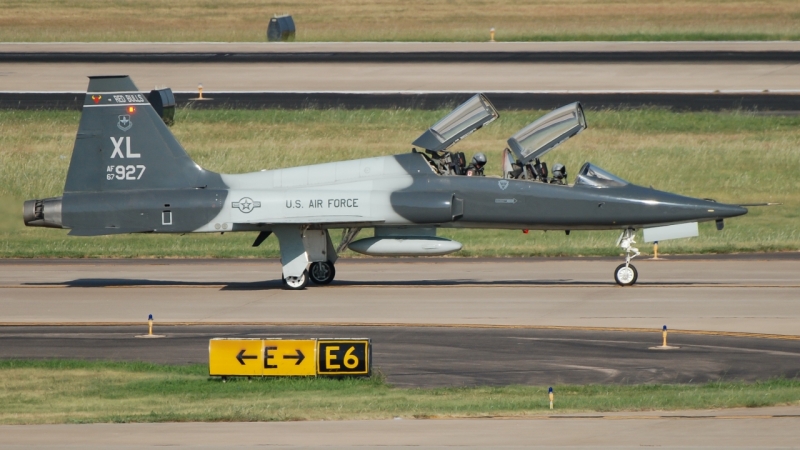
(299, 357)
(241, 357)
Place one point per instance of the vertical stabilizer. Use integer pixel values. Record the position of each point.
(122, 144)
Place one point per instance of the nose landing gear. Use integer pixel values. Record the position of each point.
(626, 274)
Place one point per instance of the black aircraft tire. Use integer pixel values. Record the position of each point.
(296, 283)
(624, 277)
(322, 272)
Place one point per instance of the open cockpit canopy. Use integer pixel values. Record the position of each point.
(547, 132)
(470, 116)
(593, 176)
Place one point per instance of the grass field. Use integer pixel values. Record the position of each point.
(733, 157)
(85, 392)
(411, 20)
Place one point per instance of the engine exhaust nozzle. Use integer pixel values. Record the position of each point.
(42, 213)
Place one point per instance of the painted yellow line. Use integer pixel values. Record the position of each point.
(741, 334)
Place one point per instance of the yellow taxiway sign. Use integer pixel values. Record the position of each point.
(236, 357)
(279, 357)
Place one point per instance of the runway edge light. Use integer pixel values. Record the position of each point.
(550, 394)
(664, 345)
(150, 329)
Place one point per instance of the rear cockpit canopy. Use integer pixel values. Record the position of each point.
(547, 132)
(595, 177)
(460, 123)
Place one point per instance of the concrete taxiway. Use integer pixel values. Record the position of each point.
(750, 294)
(772, 428)
(414, 76)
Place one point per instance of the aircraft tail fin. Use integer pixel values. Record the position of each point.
(122, 144)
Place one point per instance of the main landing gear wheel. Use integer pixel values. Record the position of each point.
(322, 272)
(296, 283)
(626, 275)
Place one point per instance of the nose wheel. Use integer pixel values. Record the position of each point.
(626, 274)
(322, 272)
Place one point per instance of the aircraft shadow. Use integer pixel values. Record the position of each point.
(276, 284)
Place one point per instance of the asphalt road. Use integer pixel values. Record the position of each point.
(436, 356)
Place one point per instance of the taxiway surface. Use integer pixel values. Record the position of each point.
(751, 294)
(771, 428)
(414, 76)
(445, 357)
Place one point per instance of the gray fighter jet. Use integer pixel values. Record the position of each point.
(128, 174)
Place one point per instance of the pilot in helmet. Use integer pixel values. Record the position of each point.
(475, 168)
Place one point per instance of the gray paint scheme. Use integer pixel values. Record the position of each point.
(128, 174)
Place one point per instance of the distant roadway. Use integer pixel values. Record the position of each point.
(514, 66)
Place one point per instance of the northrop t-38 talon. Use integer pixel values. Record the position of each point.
(128, 174)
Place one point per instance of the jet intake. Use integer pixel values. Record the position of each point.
(405, 246)
(42, 213)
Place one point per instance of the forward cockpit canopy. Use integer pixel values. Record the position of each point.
(593, 176)
(547, 132)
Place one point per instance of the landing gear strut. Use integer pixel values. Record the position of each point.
(322, 272)
(626, 274)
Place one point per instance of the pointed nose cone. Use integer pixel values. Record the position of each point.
(723, 211)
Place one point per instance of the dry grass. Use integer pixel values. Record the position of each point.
(411, 20)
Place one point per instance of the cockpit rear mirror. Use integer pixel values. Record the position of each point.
(547, 132)
(461, 122)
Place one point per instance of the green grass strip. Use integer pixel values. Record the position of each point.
(68, 391)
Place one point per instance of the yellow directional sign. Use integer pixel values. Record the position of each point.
(278, 357)
(343, 357)
(242, 357)
(289, 357)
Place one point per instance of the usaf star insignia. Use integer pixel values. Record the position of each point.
(246, 205)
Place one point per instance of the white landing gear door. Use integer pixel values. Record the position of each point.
(300, 246)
